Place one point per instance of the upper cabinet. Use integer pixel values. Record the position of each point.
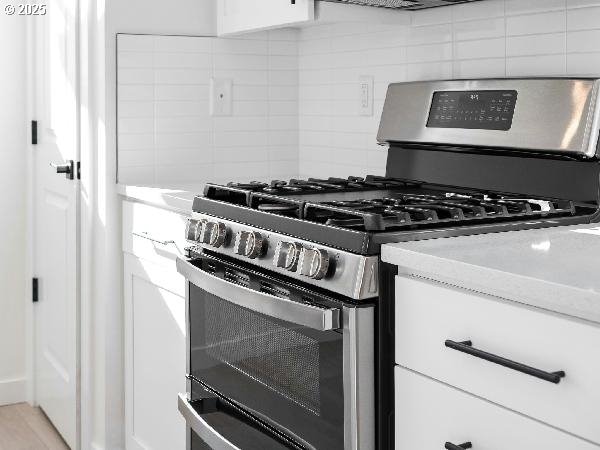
(240, 16)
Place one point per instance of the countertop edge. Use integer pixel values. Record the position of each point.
(508, 286)
(169, 199)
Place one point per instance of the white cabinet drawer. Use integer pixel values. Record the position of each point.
(153, 233)
(429, 414)
(428, 314)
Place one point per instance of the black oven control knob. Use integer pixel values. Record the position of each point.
(314, 263)
(251, 244)
(213, 233)
(193, 229)
(287, 255)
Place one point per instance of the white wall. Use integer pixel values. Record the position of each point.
(493, 38)
(12, 206)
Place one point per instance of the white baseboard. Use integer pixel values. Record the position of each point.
(13, 391)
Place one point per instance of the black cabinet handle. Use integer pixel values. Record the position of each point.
(451, 446)
(467, 347)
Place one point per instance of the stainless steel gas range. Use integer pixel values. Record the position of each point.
(289, 308)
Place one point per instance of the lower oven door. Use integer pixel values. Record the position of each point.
(279, 355)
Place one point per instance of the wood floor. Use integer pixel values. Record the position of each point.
(25, 428)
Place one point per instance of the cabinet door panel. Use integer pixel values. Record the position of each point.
(239, 16)
(429, 414)
(154, 355)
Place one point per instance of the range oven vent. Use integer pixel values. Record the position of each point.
(403, 4)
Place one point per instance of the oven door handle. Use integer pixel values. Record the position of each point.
(322, 319)
(204, 431)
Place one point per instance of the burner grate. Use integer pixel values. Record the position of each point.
(410, 211)
(404, 204)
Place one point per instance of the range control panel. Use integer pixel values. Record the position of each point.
(484, 110)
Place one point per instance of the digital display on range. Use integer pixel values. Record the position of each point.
(482, 110)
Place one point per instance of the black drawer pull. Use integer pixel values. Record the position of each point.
(467, 347)
(451, 446)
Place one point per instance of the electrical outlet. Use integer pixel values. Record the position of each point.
(365, 95)
(221, 97)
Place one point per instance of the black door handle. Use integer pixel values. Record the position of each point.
(68, 169)
(451, 446)
(467, 347)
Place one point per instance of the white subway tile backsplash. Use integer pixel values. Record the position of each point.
(240, 46)
(430, 52)
(165, 132)
(536, 44)
(429, 71)
(249, 92)
(550, 65)
(480, 29)
(484, 48)
(492, 38)
(432, 16)
(189, 155)
(182, 60)
(584, 18)
(135, 60)
(582, 3)
(550, 22)
(136, 157)
(181, 124)
(193, 139)
(182, 76)
(480, 68)
(178, 44)
(429, 34)
(127, 142)
(585, 64)
(255, 108)
(136, 76)
(135, 92)
(243, 62)
(136, 109)
(533, 6)
(583, 41)
(180, 109)
(178, 173)
(180, 92)
(131, 125)
(295, 108)
(241, 76)
(478, 11)
(137, 174)
(283, 48)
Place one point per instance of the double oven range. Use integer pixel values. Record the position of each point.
(289, 307)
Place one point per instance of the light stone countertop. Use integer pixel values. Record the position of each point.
(177, 198)
(557, 269)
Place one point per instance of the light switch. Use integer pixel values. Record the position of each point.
(221, 97)
(365, 95)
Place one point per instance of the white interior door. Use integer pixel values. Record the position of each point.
(56, 205)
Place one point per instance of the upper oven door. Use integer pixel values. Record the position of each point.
(274, 349)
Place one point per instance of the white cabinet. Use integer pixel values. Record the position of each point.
(154, 328)
(240, 16)
(430, 413)
(429, 313)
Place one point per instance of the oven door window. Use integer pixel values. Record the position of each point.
(285, 374)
